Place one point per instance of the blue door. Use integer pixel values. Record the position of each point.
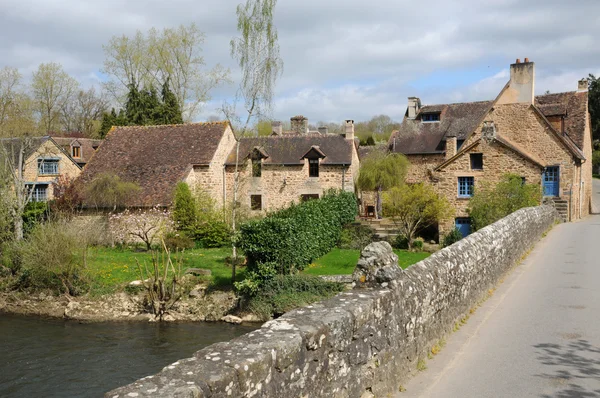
(551, 181)
(463, 224)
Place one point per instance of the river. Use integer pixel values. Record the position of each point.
(57, 358)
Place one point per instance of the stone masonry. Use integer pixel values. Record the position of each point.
(363, 342)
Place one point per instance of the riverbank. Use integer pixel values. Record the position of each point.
(122, 306)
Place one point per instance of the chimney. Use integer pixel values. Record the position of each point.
(323, 130)
(349, 129)
(299, 124)
(522, 83)
(450, 146)
(414, 104)
(276, 128)
(582, 85)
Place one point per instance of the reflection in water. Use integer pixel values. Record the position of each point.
(56, 358)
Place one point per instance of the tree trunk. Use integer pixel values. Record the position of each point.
(379, 205)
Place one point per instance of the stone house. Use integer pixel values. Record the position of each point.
(80, 148)
(158, 157)
(44, 161)
(292, 166)
(546, 139)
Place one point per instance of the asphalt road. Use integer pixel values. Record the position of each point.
(538, 335)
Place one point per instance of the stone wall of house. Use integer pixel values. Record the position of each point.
(365, 341)
(420, 166)
(66, 167)
(279, 185)
(497, 161)
(587, 167)
(211, 178)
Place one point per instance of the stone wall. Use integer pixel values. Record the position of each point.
(364, 341)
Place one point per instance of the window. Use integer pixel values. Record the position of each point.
(430, 117)
(76, 151)
(459, 143)
(39, 192)
(313, 167)
(48, 166)
(256, 202)
(476, 161)
(308, 196)
(463, 224)
(256, 168)
(465, 187)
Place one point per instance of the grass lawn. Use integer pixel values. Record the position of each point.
(111, 268)
(342, 261)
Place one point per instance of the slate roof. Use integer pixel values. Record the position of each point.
(86, 144)
(574, 104)
(416, 137)
(289, 149)
(155, 157)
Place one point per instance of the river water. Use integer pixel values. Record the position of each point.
(42, 357)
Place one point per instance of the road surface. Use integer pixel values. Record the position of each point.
(538, 335)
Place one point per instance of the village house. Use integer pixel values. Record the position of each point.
(43, 161)
(545, 139)
(157, 158)
(80, 148)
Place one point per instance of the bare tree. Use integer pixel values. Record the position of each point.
(83, 112)
(257, 52)
(52, 89)
(10, 80)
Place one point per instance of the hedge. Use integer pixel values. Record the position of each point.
(294, 237)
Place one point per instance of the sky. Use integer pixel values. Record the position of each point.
(343, 59)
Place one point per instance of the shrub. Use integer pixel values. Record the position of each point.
(34, 213)
(452, 237)
(178, 241)
(283, 293)
(418, 244)
(355, 236)
(185, 212)
(293, 237)
(400, 242)
(213, 233)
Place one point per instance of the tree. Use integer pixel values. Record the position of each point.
(596, 161)
(111, 119)
(52, 89)
(108, 191)
(170, 106)
(83, 112)
(381, 171)
(594, 104)
(257, 53)
(185, 212)
(415, 206)
(491, 203)
(145, 225)
(171, 55)
(10, 80)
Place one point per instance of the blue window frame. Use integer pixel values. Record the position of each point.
(465, 187)
(48, 166)
(39, 192)
(463, 224)
(430, 117)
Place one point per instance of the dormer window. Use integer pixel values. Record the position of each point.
(430, 117)
(313, 167)
(256, 167)
(76, 151)
(314, 155)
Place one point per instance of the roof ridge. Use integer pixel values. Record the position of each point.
(139, 127)
(458, 103)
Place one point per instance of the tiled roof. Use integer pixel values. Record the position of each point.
(155, 157)
(86, 144)
(11, 147)
(415, 137)
(290, 149)
(575, 105)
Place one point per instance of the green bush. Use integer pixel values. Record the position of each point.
(401, 242)
(211, 234)
(177, 241)
(452, 237)
(34, 213)
(283, 293)
(292, 238)
(418, 244)
(356, 236)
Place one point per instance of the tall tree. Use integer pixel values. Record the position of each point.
(594, 104)
(10, 80)
(156, 57)
(381, 171)
(83, 112)
(256, 51)
(52, 88)
(171, 110)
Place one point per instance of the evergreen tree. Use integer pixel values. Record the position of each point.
(134, 107)
(171, 111)
(594, 105)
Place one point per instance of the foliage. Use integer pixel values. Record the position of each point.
(594, 104)
(67, 197)
(417, 244)
(356, 236)
(295, 236)
(491, 203)
(54, 256)
(111, 119)
(146, 225)
(34, 214)
(178, 241)
(155, 58)
(185, 212)
(596, 161)
(162, 284)
(283, 293)
(107, 190)
(379, 128)
(415, 206)
(381, 171)
(400, 242)
(452, 237)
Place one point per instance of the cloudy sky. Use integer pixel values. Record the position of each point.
(343, 58)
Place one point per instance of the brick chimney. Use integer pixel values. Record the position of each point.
(450, 146)
(276, 128)
(349, 129)
(414, 104)
(299, 124)
(582, 85)
(522, 84)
